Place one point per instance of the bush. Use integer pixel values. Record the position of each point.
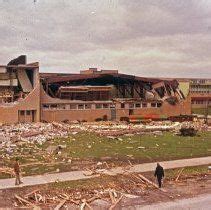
(125, 119)
(188, 131)
(98, 119)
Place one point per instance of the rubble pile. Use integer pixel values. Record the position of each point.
(128, 186)
(109, 194)
(121, 128)
(37, 133)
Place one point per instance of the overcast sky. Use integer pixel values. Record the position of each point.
(168, 38)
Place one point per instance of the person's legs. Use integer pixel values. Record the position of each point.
(16, 179)
(19, 179)
(159, 182)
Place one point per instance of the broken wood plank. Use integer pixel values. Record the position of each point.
(116, 202)
(26, 202)
(138, 178)
(88, 206)
(150, 182)
(92, 199)
(130, 163)
(111, 197)
(75, 202)
(82, 206)
(106, 164)
(31, 193)
(60, 204)
(178, 176)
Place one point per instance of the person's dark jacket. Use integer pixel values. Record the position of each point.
(159, 172)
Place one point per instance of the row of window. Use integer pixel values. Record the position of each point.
(145, 105)
(100, 106)
(200, 91)
(25, 112)
(75, 106)
(200, 102)
(200, 81)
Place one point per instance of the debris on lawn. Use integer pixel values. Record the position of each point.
(39, 133)
(178, 176)
(36, 143)
(7, 170)
(109, 193)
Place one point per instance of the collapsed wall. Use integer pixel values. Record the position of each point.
(19, 92)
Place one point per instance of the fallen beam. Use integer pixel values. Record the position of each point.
(26, 202)
(180, 172)
(60, 205)
(150, 182)
(116, 202)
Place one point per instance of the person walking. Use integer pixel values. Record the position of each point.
(17, 172)
(159, 173)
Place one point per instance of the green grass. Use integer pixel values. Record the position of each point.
(89, 146)
(164, 147)
(188, 171)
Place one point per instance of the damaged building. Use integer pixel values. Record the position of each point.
(92, 95)
(96, 95)
(19, 91)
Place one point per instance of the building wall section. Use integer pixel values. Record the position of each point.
(23, 110)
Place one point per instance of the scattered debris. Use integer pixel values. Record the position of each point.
(22, 200)
(180, 172)
(60, 204)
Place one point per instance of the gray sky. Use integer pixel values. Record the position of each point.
(168, 38)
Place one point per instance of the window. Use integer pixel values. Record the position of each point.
(153, 105)
(73, 106)
(122, 106)
(54, 106)
(105, 106)
(87, 106)
(98, 106)
(144, 105)
(159, 104)
(22, 112)
(112, 106)
(62, 106)
(131, 106)
(45, 106)
(80, 106)
(138, 105)
(28, 112)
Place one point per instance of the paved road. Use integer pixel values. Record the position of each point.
(77, 175)
(201, 202)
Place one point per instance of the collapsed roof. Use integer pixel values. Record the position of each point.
(126, 86)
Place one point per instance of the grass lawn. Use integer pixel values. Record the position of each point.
(141, 147)
(84, 147)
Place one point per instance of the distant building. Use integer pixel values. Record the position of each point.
(200, 91)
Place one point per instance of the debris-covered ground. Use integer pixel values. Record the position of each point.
(106, 192)
(54, 147)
